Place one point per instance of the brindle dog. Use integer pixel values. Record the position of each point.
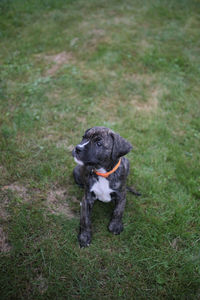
(101, 150)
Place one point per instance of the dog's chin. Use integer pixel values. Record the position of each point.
(79, 162)
(86, 163)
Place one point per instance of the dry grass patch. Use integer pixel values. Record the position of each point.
(19, 189)
(98, 32)
(58, 60)
(95, 41)
(83, 122)
(52, 137)
(54, 95)
(4, 245)
(149, 101)
(146, 79)
(4, 215)
(105, 106)
(89, 73)
(143, 45)
(62, 144)
(123, 21)
(56, 202)
(95, 36)
(149, 106)
(3, 171)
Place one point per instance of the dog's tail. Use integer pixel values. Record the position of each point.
(133, 191)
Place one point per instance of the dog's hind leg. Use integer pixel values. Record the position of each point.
(78, 176)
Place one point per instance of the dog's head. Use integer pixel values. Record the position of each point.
(100, 147)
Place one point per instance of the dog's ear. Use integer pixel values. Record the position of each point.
(120, 146)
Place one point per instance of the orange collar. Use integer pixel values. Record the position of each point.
(110, 172)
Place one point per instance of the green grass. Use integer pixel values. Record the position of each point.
(66, 66)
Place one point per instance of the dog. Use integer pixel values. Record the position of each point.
(102, 170)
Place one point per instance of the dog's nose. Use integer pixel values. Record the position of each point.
(78, 149)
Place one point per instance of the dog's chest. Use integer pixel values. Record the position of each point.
(102, 190)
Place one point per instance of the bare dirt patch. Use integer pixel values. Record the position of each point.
(4, 245)
(58, 61)
(20, 190)
(56, 199)
(59, 58)
(57, 204)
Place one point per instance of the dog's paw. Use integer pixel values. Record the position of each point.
(115, 227)
(84, 239)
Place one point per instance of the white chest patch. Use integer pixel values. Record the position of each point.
(102, 190)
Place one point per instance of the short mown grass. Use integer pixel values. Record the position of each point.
(133, 66)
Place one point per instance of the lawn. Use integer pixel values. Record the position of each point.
(132, 66)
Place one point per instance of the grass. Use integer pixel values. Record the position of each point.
(129, 65)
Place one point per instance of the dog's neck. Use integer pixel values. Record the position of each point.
(107, 167)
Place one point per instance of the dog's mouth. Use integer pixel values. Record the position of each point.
(76, 158)
(79, 162)
(82, 162)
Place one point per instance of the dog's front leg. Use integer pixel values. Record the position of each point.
(116, 225)
(85, 232)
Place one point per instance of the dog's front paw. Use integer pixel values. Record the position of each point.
(115, 227)
(84, 239)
